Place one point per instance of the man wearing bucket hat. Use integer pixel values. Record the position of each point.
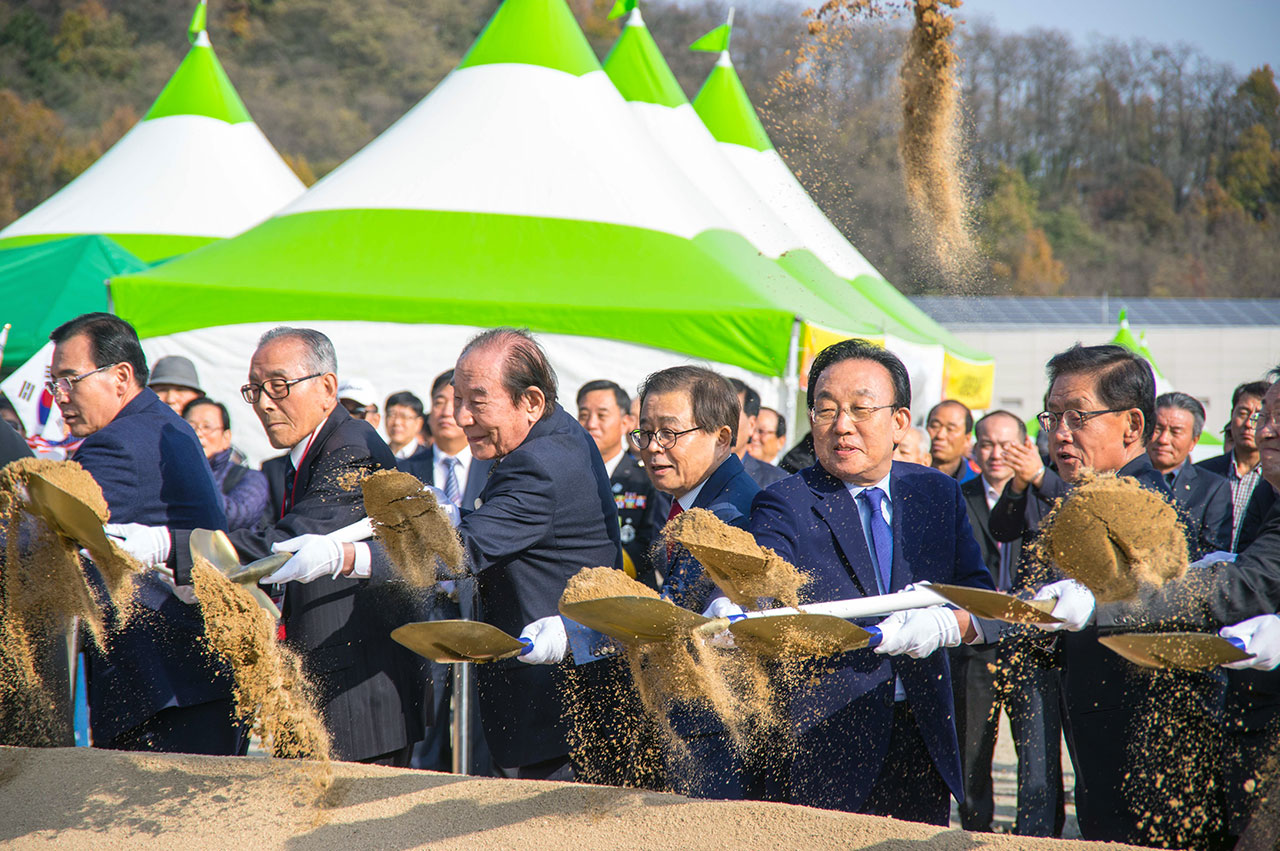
(175, 381)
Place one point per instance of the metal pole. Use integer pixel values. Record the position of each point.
(791, 383)
(461, 718)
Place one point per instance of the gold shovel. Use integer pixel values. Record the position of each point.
(458, 641)
(803, 635)
(1191, 651)
(215, 547)
(67, 514)
(635, 620)
(995, 605)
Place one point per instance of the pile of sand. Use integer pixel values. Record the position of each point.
(42, 587)
(595, 583)
(271, 692)
(75, 798)
(1114, 536)
(731, 558)
(411, 525)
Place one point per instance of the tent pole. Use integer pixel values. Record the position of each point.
(791, 383)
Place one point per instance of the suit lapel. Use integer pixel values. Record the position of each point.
(903, 510)
(837, 509)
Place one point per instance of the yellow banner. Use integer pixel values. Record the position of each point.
(967, 382)
(815, 338)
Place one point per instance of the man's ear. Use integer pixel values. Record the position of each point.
(535, 402)
(725, 437)
(1133, 431)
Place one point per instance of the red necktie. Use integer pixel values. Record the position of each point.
(675, 509)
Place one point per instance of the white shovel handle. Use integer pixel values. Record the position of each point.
(361, 530)
(863, 607)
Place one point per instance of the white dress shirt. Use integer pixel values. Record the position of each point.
(442, 469)
(611, 464)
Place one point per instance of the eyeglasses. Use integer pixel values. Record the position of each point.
(63, 385)
(275, 388)
(1075, 419)
(666, 438)
(828, 414)
(201, 428)
(1265, 418)
(363, 413)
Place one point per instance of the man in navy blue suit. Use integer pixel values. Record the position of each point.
(689, 418)
(154, 688)
(875, 731)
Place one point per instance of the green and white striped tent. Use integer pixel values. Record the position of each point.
(956, 370)
(195, 169)
(521, 191)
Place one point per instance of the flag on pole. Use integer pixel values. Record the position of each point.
(198, 19)
(718, 39)
(621, 7)
(25, 388)
(4, 340)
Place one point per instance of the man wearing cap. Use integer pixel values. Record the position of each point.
(175, 381)
(361, 400)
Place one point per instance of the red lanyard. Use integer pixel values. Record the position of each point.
(293, 491)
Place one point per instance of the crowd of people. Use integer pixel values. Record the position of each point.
(865, 503)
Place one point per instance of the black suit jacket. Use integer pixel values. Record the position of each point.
(546, 512)
(975, 500)
(370, 688)
(763, 474)
(423, 465)
(1218, 464)
(636, 500)
(1255, 512)
(1206, 497)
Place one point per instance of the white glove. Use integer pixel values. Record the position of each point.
(548, 639)
(918, 632)
(1213, 558)
(1261, 637)
(1075, 606)
(723, 607)
(148, 544)
(450, 510)
(314, 556)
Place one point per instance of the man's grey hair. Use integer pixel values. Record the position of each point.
(320, 356)
(1186, 403)
(526, 364)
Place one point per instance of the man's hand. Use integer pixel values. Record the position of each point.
(1261, 637)
(450, 510)
(723, 607)
(1028, 468)
(148, 544)
(918, 632)
(1075, 605)
(314, 556)
(547, 639)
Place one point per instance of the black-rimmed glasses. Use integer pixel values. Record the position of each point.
(275, 388)
(828, 414)
(665, 437)
(1075, 420)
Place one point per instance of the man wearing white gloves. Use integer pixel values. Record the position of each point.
(875, 730)
(153, 688)
(370, 689)
(545, 512)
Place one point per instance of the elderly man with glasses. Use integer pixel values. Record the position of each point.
(370, 688)
(152, 687)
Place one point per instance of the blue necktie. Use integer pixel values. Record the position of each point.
(881, 535)
(451, 490)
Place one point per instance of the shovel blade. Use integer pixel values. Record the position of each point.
(457, 641)
(800, 635)
(997, 606)
(255, 570)
(67, 514)
(1190, 651)
(634, 620)
(215, 547)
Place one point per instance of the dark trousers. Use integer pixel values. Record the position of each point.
(557, 768)
(396, 759)
(1030, 694)
(1252, 738)
(207, 728)
(909, 786)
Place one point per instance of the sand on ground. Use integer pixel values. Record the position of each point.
(85, 798)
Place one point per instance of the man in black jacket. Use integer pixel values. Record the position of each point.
(370, 689)
(1239, 466)
(1204, 495)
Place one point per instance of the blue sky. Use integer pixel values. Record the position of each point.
(1243, 33)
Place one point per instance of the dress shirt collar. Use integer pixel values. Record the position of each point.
(883, 484)
(611, 464)
(463, 456)
(297, 453)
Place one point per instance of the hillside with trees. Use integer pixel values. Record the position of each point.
(1120, 167)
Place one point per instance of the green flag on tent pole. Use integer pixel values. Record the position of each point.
(621, 7)
(718, 39)
(198, 18)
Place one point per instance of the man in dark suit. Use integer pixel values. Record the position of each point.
(748, 409)
(369, 687)
(1239, 465)
(688, 421)
(604, 410)
(1205, 496)
(545, 512)
(404, 422)
(154, 687)
(1012, 673)
(874, 735)
(1100, 413)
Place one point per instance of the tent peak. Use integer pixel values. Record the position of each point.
(533, 32)
(639, 71)
(635, 19)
